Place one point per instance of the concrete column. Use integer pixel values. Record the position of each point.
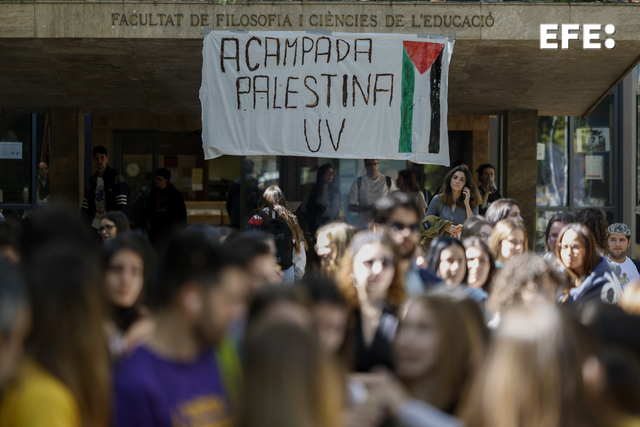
(628, 161)
(519, 164)
(67, 156)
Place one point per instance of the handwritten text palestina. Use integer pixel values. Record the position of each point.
(258, 89)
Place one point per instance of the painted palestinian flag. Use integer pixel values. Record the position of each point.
(421, 78)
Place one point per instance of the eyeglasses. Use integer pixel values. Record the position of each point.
(331, 173)
(385, 262)
(484, 236)
(398, 226)
(370, 164)
(574, 248)
(106, 227)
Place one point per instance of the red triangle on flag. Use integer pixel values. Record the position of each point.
(423, 54)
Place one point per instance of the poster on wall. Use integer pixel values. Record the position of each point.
(326, 95)
(11, 150)
(592, 140)
(594, 167)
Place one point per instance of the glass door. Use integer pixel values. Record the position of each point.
(136, 159)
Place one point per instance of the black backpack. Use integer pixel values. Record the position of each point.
(279, 231)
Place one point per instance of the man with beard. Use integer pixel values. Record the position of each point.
(398, 216)
(173, 379)
(619, 242)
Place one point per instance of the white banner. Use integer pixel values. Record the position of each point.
(343, 95)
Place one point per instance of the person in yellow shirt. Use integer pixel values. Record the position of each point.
(64, 380)
(37, 398)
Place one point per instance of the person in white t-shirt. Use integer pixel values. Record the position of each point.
(619, 242)
(366, 189)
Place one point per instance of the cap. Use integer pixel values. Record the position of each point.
(620, 228)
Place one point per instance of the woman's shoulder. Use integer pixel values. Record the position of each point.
(603, 266)
(34, 387)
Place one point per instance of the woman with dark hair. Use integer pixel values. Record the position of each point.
(480, 263)
(324, 202)
(457, 200)
(476, 226)
(330, 312)
(447, 258)
(371, 282)
(554, 226)
(128, 262)
(591, 275)
(503, 209)
(407, 183)
(274, 217)
(596, 221)
(64, 380)
(112, 224)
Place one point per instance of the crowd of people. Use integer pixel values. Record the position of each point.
(420, 315)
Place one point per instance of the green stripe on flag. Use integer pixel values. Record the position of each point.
(406, 107)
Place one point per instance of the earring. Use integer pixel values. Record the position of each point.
(352, 279)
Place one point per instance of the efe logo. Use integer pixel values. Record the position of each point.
(590, 33)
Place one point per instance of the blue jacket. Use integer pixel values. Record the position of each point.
(601, 284)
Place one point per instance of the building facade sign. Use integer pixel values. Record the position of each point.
(341, 95)
(287, 21)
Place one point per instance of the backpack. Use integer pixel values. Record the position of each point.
(279, 231)
(359, 180)
(636, 263)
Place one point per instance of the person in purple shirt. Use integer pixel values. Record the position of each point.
(173, 379)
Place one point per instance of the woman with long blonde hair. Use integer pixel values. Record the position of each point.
(274, 217)
(331, 243)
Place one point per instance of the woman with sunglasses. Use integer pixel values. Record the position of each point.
(591, 275)
(372, 285)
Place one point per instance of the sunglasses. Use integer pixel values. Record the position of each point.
(398, 226)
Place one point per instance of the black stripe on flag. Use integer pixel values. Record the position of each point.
(435, 77)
